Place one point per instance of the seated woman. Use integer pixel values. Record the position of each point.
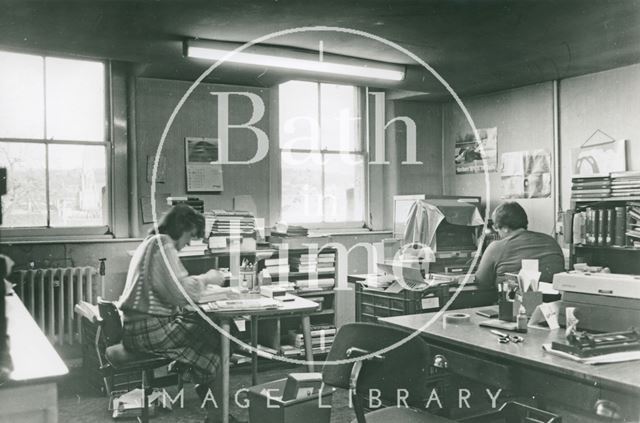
(152, 299)
(515, 244)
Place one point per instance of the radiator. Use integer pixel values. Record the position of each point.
(50, 295)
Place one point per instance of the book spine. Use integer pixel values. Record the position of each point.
(620, 226)
(629, 221)
(611, 225)
(589, 227)
(604, 227)
(596, 227)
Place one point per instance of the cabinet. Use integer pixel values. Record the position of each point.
(600, 233)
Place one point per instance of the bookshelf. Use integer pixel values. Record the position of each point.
(605, 240)
(283, 334)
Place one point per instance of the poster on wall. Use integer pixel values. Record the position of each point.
(526, 174)
(599, 159)
(469, 152)
(203, 173)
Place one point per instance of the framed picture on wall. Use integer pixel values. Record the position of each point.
(599, 159)
(204, 173)
(474, 155)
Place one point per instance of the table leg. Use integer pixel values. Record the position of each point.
(254, 354)
(306, 333)
(225, 348)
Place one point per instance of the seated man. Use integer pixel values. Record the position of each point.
(515, 244)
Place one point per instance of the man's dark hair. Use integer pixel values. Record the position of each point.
(180, 219)
(510, 215)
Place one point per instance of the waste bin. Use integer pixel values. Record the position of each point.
(267, 405)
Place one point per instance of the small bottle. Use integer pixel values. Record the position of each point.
(522, 320)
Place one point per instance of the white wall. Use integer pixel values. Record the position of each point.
(524, 118)
(609, 101)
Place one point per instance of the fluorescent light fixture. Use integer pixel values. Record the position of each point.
(281, 58)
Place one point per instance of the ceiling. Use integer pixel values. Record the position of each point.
(475, 45)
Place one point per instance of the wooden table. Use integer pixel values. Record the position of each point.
(298, 307)
(559, 384)
(30, 394)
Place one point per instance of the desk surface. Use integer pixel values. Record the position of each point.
(470, 336)
(34, 358)
(299, 305)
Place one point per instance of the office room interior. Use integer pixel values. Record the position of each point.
(417, 210)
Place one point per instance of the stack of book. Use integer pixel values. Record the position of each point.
(305, 263)
(292, 236)
(326, 263)
(605, 226)
(194, 202)
(625, 184)
(276, 266)
(319, 284)
(590, 187)
(321, 338)
(227, 225)
(633, 227)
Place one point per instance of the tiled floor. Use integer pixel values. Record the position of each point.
(78, 404)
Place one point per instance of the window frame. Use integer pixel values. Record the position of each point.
(28, 233)
(362, 151)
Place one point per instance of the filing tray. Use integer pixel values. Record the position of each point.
(371, 304)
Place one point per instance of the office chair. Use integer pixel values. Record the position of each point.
(119, 360)
(401, 372)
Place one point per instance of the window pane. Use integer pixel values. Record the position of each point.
(75, 100)
(25, 203)
(344, 188)
(298, 108)
(22, 96)
(338, 117)
(301, 187)
(77, 182)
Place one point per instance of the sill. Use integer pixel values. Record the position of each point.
(77, 239)
(347, 231)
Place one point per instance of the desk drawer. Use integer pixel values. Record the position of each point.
(475, 368)
(579, 396)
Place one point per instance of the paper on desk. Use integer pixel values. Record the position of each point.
(529, 275)
(546, 313)
(547, 288)
(530, 265)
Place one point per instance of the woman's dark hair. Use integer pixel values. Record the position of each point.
(180, 219)
(510, 215)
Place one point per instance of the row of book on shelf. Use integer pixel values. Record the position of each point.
(304, 263)
(614, 185)
(608, 226)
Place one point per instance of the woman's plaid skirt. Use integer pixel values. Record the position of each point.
(185, 338)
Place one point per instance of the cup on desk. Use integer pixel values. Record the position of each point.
(246, 280)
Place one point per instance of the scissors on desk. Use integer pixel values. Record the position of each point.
(504, 338)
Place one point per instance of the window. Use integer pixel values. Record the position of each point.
(53, 142)
(321, 154)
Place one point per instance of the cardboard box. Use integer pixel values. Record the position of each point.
(267, 405)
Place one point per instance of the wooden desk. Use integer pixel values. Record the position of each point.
(559, 384)
(299, 306)
(31, 394)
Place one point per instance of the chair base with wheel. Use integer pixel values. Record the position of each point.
(117, 359)
(391, 363)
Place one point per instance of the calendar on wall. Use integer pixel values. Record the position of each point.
(204, 172)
